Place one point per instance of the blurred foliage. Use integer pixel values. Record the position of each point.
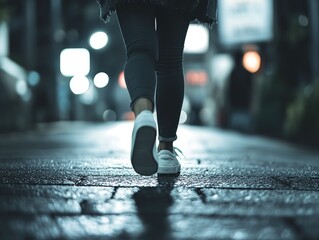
(295, 32)
(272, 102)
(289, 70)
(4, 10)
(302, 121)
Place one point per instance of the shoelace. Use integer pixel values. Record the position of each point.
(178, 153)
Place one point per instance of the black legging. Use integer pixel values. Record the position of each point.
(155, 53)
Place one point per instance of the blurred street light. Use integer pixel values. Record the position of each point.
(101, 80)
(252, 61)
(98, 40)
(74, 61)
(196, 77)
(197, 39)
(79, 84)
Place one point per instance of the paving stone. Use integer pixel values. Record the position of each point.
(88, 227)
(36, 205)
(304, 183)
(229, 228)
(307, 227)
(186, 179)
(185, 194)
(92, 207)
(28, 227)
(78, 193)
(122, 193)
(193, 180)
(241, 167)
(269, 203)
(245, 209)
(257, 196)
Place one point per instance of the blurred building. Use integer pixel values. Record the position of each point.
(14, 91)
(256, 71)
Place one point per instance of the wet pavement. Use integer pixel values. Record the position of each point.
(75, 181)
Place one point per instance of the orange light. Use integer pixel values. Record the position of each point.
(197, 77)
(129, 116)
(121, 80)
(252, 61)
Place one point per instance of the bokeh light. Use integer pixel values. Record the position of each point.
(21, 87)
(183, 117)
(33, 78)
(101, 80)
(74, 61)
(109, 115)
(197, 39)
(79, 84)
(98, 40)
(121, 80)
(196, 77)
(90, 96)
(252, 61)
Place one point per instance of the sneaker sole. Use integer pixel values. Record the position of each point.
(143, 160)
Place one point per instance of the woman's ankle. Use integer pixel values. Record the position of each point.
(141, 105)
(165, 146)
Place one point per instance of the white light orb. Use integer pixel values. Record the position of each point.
(197, 39)
(101, 80)
(98, 40)
(79, 84)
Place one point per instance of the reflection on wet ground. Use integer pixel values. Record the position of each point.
(153, 205)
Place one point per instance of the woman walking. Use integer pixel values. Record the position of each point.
(154, 33)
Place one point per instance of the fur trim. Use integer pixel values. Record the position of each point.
(196, 8)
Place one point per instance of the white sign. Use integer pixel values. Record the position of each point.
(245, 21)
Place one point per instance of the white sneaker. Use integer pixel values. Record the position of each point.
(143, 152)
(168, 162)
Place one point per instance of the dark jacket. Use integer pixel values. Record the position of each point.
(205, 11)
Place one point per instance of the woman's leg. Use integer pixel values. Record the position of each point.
(137, 23)
(171, 30)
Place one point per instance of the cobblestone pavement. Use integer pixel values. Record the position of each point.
(75, 181)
